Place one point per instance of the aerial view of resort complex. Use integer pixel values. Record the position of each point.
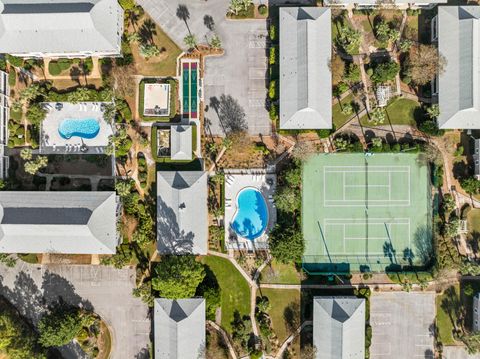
(239, 179)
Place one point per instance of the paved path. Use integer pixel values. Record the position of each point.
(105, 290)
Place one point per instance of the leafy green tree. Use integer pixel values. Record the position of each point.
(123, 187)
(352, 73)
(60, 326)
(377, 116)
(17, 339)
(349, 39)
(26, 154)
(433, 111)
(236, 6)
(470, 185)
(191, 41)
(144, 292)
(215, 42)
(81, 94)
(385, 72)
(149, 50)
(347, 109)
(287, 199)
(133, 37)
(382, 31)
(177, 277)
(286, 244)
(36, 114)
(33, 166)
(241, 329)
(405, 45)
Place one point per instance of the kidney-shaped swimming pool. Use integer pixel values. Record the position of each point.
(251, 217)
(84, 128)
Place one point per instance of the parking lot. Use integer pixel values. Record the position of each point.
(402, 325)
(241, 73)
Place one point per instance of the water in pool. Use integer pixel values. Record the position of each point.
(84, 128)
(251, 217)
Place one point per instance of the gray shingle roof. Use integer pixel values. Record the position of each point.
(60, 26)
(181, 142)
(58, 222)
(305, 76)
(179, 328)
(458, 88)
(182, 214)
(339, 327)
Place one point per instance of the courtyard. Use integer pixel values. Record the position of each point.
(365, 213)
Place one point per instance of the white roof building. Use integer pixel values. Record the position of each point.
(305, 75)
(61, 28)
(179, 328)
(339, 327)
(459, 83)
(182, 212)
(58, 222)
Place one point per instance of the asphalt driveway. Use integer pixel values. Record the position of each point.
(402, 325)
(105, 290)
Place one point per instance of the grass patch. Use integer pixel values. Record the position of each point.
(473, 220)
(400, 111)
(235, 290)
(411, 277)
(339, 119)
(285, 310)
(446, 314)
(16, 115)
(173, 100)
(163, 65)
(29, 258)
(279, 273)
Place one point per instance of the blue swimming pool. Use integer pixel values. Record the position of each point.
(251, 218)
(84, 128)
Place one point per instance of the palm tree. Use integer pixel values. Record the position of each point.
(190, 41)
(148, 51)
(184, 14)
(215, 42)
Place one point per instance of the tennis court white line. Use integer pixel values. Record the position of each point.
(363, 186)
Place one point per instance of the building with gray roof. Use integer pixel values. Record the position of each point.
(459, 83)
(339, 327)
(181, 143)
(305, 75)
(182, 213)
(401, 4)
(179, 328)
(61, 28)
(58, 222)
(4, 116)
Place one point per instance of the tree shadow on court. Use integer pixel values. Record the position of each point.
(422, 240)
(390, 252)
(408, 256)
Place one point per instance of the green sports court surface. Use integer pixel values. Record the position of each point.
(365, 213)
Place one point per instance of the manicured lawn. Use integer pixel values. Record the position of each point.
(473, 219)
(412, 277)
(163, 65)
(400, 111)
(235, 290)
(284, 303)
(445, 316)
(339, 119)
(280, 273)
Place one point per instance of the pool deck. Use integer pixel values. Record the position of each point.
(235, 181)
(52, 143)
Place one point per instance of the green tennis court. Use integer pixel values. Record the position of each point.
(366, 213)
